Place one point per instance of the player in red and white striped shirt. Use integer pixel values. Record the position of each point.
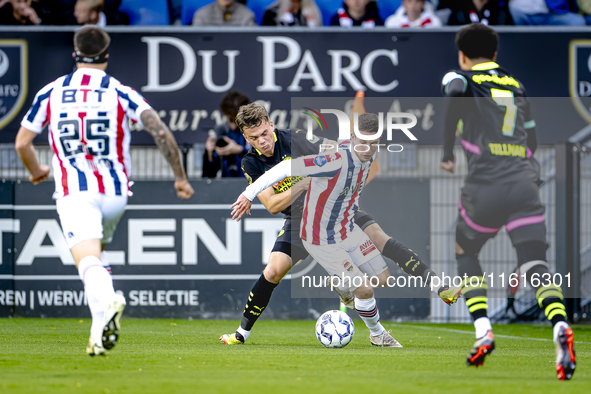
(87, 115)
(328, 232)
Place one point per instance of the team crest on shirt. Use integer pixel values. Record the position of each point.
(320, 161)
(13, 78)
(580, 77)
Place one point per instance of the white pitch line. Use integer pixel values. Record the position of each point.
(139, 207)
(137, 277)
(472, 333)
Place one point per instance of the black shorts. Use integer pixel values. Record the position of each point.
(289, 241)
(486, 208)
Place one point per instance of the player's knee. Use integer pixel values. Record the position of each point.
(531, 258)
(364, 292)
(278, 266)
(274, 274)
(377, 281)
(89, 247)
(382, 279)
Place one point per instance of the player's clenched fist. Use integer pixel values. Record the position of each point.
(40, 175)
(447, 166)
(183, 189)
(240, 207)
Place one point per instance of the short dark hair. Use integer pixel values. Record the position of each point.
(91, 40)
(231, 103)
(251, 115)
(368, 122)
(477, 41)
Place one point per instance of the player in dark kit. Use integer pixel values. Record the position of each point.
(271, 146)
(501, 189)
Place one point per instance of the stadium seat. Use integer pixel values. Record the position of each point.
(328, 8)
(189, 7)
(388, 7)
(258, 7)
(146, 12)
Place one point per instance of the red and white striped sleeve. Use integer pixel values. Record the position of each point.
(327, 165)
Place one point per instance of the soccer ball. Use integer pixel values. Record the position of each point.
(334, 329)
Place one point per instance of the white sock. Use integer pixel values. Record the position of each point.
(105, 261)
(368, 311)
(557, 328)
(96, 310)
(243, 332)
(97, 281)
(98, 314)
(482, 325)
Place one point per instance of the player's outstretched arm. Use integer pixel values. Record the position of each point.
(26, 152)
(320, 166)
(315, 166)
(244, 201)
(169, 149)
(274, 203)
(274, 175)
(277, 202)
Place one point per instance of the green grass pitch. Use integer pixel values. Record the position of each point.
(180, 356)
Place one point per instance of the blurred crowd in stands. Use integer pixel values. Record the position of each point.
(310, 13)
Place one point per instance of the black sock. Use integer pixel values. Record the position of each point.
(474, 291)
(550, 298)
(258, 300)
(406, 259)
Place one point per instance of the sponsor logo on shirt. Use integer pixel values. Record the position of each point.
(367, 247)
